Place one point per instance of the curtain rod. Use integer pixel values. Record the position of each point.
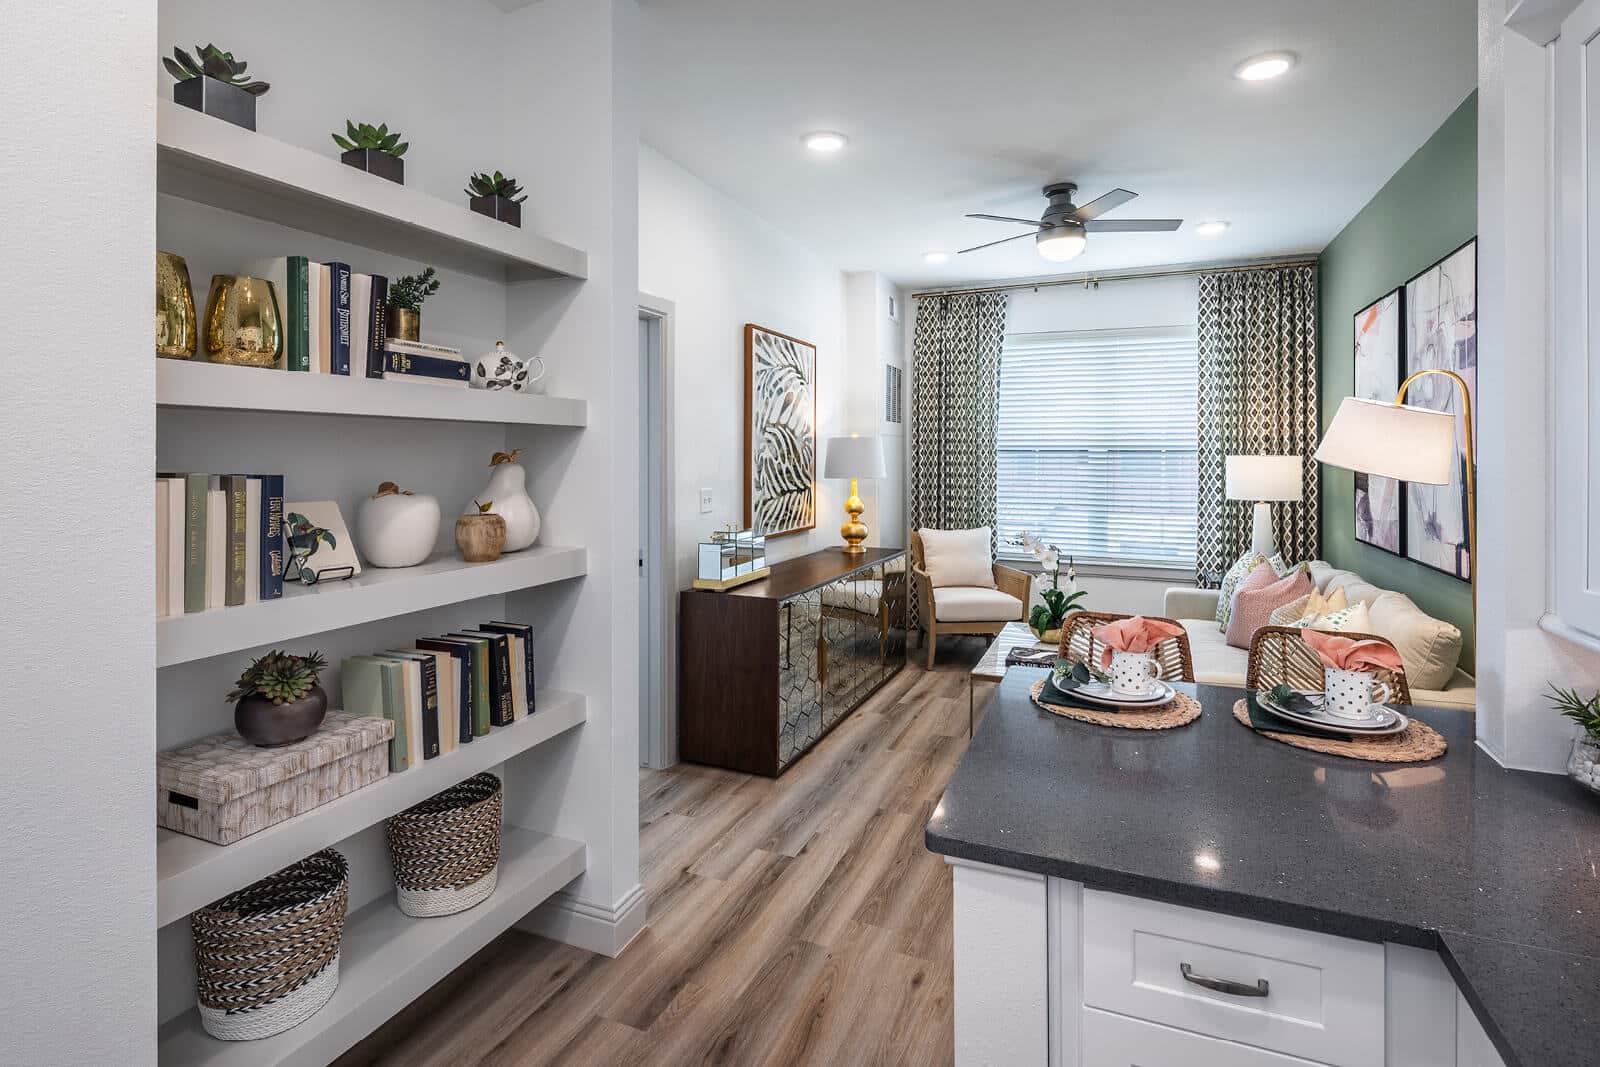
(1096, 279)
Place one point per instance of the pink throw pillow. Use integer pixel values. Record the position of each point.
(1255, 602)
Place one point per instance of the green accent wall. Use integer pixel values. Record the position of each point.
(1426, 210)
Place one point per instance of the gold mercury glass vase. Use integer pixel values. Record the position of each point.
(175, 325)
(243, 326)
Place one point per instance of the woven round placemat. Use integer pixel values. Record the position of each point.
(1180, 711)
(1417, 743)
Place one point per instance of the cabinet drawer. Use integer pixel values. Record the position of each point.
(1324, 994)
(1117, 1041)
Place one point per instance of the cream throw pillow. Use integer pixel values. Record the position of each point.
(958, 557)
(1309, 608)
(1354, 619)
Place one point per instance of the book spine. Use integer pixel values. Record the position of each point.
(407, 363)
(462, 655)
(378, 326)
(194, 542)
(481, 698)
(394, 709)
(339, 322)
(163, 534)
(238, 524)
(502, 667)
(525, 631)
(271, 536)
(422, 348)
(299, 328)
(430, 707)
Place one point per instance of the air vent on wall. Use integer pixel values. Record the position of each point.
(892, 376)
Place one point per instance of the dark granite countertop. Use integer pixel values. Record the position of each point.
(1498, 870)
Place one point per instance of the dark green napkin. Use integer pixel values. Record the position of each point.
(1053, 694)
(1262, 719)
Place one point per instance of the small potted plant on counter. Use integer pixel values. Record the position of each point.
(495, 195)
(1583, 766)
(373, 149)
(277, 700)
(212, 82)
(406, 295)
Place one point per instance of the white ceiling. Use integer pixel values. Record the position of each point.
(954, 106)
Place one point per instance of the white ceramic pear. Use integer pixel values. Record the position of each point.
(507, 495)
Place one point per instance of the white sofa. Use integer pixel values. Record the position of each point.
(1422, 640)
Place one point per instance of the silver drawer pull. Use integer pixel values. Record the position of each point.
(1224, 985)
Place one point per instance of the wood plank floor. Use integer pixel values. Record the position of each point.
(799, 921)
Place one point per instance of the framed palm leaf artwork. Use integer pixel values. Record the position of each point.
(1378, 359)
(780, 432)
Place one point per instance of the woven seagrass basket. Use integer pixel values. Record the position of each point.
(446, 850)
(266, 958)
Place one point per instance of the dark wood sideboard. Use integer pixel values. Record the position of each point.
(765, 670)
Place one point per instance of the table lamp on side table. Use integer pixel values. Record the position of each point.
(1262, 478)
(854, 457)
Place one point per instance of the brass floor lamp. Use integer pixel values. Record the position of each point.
(1411, 444)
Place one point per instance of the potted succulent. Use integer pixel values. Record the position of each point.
(1583, 766)
(481, 534)
(406, 295)
(277, 700)
(495, 195)
(373, 149)
(1045, 619)
(212, 82)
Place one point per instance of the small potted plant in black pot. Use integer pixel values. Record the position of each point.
(373, 149)
(495, 195)
(213, 82)
(277, 700)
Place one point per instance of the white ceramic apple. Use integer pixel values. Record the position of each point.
(396, 527)
(507, 496)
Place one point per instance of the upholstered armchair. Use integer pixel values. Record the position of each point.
(960, 589)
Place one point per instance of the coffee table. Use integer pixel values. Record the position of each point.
(992, 667)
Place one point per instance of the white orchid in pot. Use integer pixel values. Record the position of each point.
(1046, 619)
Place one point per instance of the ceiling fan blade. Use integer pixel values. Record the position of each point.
(1007, 218)
(1132, 225)
(1002, 241)
(1100, 205)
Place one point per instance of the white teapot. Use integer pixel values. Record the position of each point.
(504, 369)
(507, 496)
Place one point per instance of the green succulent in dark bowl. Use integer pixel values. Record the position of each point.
(277, 700)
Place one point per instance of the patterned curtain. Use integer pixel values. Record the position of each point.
(1257, 396)
(955, 378)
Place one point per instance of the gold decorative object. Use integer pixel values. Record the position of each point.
(854, 531)
(405, 324)
(175, 326)
(243, 326)
(731, 558)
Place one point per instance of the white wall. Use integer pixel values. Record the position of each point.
(723, 266)
(874, 316)
(78, 981)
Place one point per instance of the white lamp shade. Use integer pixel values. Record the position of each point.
(1391, 440)
(1263, 477)
(854, 457)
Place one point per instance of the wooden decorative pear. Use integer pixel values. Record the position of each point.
(508, 489)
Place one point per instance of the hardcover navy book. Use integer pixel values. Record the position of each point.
(463, 657)
(501, 709)
(525, 631)
(453, 370)
(377, 312)
(339, 318)
(271, 536)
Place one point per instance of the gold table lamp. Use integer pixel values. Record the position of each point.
(854, 457)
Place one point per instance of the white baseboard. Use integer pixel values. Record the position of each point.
(587, 925)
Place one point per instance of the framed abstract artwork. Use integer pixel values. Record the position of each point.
(780, 432)
(1441, 311)
(1379, 348)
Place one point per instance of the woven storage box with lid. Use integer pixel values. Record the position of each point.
(266, 958)
(446, 850)
(222, 788)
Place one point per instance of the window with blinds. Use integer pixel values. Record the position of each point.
(1096, 443)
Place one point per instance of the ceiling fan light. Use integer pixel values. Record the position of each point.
(1265, 67)
(1212, 228)
(936, 257)
(1061, 243)
(825, 141)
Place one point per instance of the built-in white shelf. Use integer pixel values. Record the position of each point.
(191, 873)
(377, 593)
(214, 162)
(387, 959)
(218, 387)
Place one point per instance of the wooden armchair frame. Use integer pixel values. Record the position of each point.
(1007, 579)
(1079, 644)
(1278, 654)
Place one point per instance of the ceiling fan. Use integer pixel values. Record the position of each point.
(1062, 232)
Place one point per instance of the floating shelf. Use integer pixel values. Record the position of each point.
(213, 162)
(191, 873)
(387, 959)
(193, 384)
(376, 594)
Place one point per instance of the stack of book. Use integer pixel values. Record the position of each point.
(418, 361)
(219, 541)
(443, 692)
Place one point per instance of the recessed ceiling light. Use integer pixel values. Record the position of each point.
(936, 257)
(1265, 66)
(1214, 228)
(824, 141)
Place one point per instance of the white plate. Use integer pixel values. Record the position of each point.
(1101, 693)
(1390, 721)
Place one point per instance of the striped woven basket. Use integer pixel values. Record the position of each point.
(446, 850)
(266, 958)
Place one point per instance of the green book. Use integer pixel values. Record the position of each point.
(237, 488)
(289, 279)
(375, 686)
(194, 541)
(480, 681)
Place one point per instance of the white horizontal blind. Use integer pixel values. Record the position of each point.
(1097, 443)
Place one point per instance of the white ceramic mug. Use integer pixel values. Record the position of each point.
(1133, 673)
(1349, 694)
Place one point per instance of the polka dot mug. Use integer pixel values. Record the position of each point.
(1349, 694)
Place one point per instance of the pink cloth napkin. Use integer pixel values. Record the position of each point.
(1348, 654)
(1137, 634)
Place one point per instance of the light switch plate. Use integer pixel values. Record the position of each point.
(705, 501)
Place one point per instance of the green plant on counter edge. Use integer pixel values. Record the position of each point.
(1586, 713)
